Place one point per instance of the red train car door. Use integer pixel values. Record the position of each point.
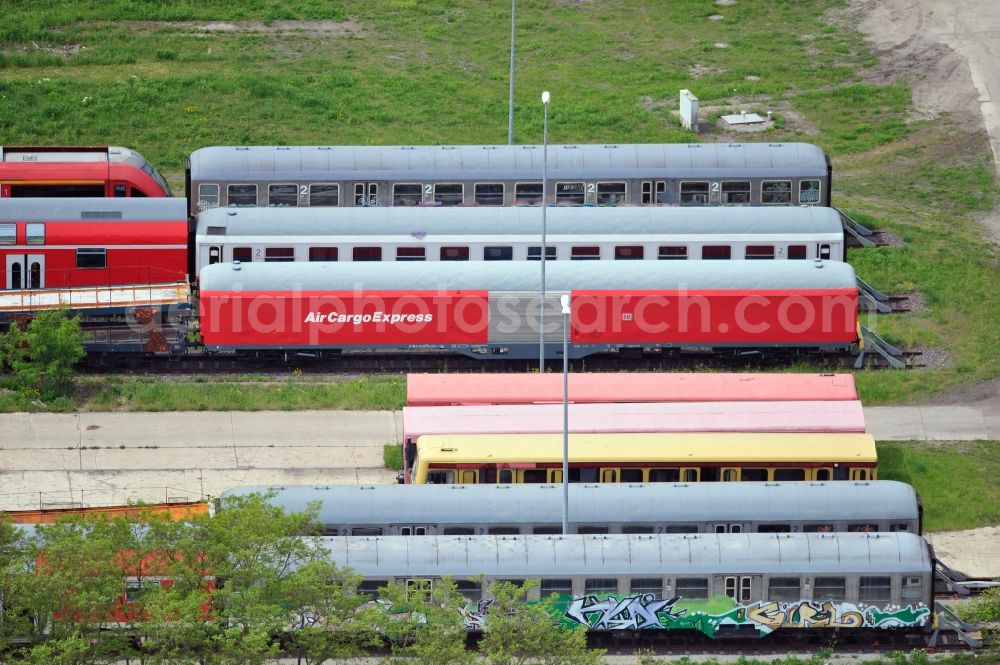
(25, 271)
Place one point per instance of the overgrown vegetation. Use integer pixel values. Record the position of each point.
(42, 356)
(169, 78)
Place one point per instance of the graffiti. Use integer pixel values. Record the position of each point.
(721, 613)
(638, 612)
(475, 619)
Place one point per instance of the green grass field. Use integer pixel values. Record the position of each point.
(167, 78)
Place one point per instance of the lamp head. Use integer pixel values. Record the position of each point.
(564, 301)
(546, 97)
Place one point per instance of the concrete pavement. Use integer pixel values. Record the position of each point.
(101, 458)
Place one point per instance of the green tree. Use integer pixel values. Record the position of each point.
(424, 623)
(518, 632)
(15, 581)
(43, 355)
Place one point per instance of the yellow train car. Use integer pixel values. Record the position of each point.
(643, 458)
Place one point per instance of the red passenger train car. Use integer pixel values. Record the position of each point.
(86, 242)
(98, 171)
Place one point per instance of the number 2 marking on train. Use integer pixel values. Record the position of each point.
(303, 190)
(716, 187)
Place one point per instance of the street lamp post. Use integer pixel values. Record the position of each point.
(545, 187)
(564, 299)
(510, 101)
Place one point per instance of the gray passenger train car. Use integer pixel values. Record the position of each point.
(700, 174)
(504, 234)
(724, 585)
(419, 510)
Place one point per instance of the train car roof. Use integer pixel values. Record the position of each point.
(415, 223)
(636, 555)
(462, 162)
(64, 154)
(648, 448)
(800, 416)
(86, 209)
(596, 503)
(479, 388)
(524, 276)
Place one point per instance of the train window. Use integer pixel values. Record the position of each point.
(528, 194)
(631, 475)
(611, 193)
(661, 191)
(407, 194)
(454, 253)
(600, 585)
(449, 194)
(822, 474)
(796, 252)
(498, 253)
(593, 530)
(410, 254)
(34, 234)
(469, 589)
(120, 190)
(912, 588)
(366, 531)
(583, 474)
(899, 526)
(208, 196)
(8, 234)
(535, 253)
(736, 192)
(716, 253)
(824, 252)
(371, 588)
(458, 531)
(690, 475)
(15, 276)
(830, 588)
(503, 531)
(841, 473)
(817, 528)
(628, 252)
(774, 528)
(681, 528)
(646, 585)
(637, 528)
(647, 191)
(367, 254)
(664, 475)
(243, 254)
(708, 475)
(789, 474)
(441, 477)
(283, 196)
(694, 193)
(489, 193)
(753, 475)
(533, 476)
(745, 589)
(776, 192)
(419, 586)
(562, 587)
(673, 253)
(585, 253)
(863, 528)
(324, 195)
(547, 530)
(323, 254)
(757, 252)
(875, 589)
(279, 254)
(809, 191)
(784, 588)
(137, 193)
(242, 196)
(91, 257)
(569, 194)
(359, 195)
(506, 476)
(690, 588)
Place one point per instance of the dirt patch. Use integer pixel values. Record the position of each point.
(322, 29)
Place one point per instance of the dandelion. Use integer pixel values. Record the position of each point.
(191, 109)
(85, 101)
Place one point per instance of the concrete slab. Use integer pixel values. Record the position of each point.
(156, 430)
(45, 459)
(975, 552)
(992, 424)
(894, 423)
(307, 457)
(164, 458)
(952, 423)
(39, 430)
(315, 428)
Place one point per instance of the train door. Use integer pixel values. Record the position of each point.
(609, 475)
(730, 527)
(366, 194)
(730, 474)
(214, 255)
(737, 587)
(860, 474)
(25, 271)
(412, 529)
(467, 476)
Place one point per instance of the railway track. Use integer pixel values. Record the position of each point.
(196, 362)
